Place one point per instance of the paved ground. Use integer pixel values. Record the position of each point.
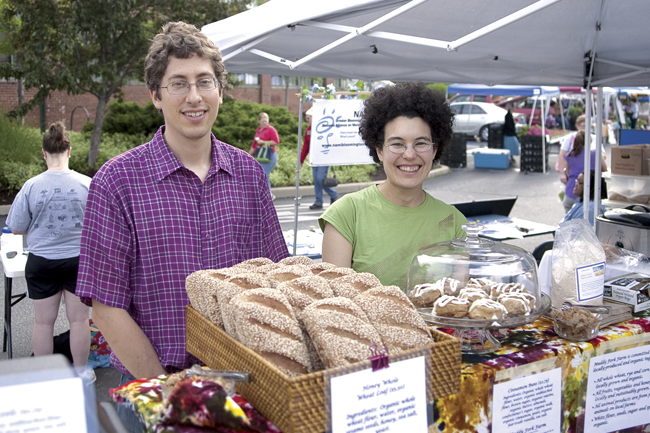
(537, 201)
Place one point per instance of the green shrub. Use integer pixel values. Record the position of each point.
(20, 154)
(284, 172)
(111, 145)
(129, 118)
(237, 122)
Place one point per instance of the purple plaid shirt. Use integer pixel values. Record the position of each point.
(150, 222)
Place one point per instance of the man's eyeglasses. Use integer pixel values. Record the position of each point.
(401, 147)
(181, 87)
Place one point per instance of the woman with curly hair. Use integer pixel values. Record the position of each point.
(379, 229)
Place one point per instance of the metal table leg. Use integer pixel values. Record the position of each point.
(10, 301)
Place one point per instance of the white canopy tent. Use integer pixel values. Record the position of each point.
(583, 43)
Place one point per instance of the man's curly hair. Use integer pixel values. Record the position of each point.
(410, 100)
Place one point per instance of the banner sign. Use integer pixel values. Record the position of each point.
(335, 138)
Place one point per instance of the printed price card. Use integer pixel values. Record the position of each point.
(389, 400)
(52, 406)
(528, 404)
(618, 390)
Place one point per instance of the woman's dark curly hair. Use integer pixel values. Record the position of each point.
(410, 100)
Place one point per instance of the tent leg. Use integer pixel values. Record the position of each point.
(297, 197)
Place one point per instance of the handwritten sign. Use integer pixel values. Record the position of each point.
(388, 400)
(618, 390)
(335, 138)
(52, 406)
(528, 404)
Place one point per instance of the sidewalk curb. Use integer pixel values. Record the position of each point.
(290, 191)
(344, 188)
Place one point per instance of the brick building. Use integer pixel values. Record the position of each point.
(75, 110)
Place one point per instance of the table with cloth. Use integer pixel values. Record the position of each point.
(471, 409)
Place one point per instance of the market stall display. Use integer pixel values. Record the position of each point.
(476, 286)
(276, 319)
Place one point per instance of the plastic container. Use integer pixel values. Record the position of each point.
(471, 264)
(576, 323)
(628, 189)
(10, 242)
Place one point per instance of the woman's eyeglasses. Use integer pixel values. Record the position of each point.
(401, 147)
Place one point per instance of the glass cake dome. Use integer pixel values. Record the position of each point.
(476, 284)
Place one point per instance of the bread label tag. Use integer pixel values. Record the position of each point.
(379, 357)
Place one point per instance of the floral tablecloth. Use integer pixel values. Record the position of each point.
(470, 410)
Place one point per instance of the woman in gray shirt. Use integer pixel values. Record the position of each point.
(49, 209)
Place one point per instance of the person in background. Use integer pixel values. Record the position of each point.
(379, 229)
(265, 134)
(318, 172)
(49, 209)
(573, 163)
(577, 210)
(634, 112)
(180, 203)
(510, 140)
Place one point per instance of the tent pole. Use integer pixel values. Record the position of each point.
(297, 197)
(598, 159)
(586, 185)
(543, 119)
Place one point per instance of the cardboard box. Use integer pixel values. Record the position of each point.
(631, 160)
(632, 289)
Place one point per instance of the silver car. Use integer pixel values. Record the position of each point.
(473, 118)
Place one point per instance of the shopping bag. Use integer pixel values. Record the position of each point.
(264, 154)
(330, 182)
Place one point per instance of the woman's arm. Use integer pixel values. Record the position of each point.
(336, 248)
(563, 166)
(603, 162)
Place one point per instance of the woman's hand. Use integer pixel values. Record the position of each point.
(258, 140)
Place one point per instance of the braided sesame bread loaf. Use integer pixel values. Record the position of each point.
(287, 272)
(393, 315)
(297, 260)
(340, 331)
(266, 323)
(336, 272)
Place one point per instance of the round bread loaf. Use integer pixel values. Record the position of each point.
(288, 272)
(301, 292)
(340, 331)
(201, 288)
(317, 268)
(450, 306)
(425, 295)
(487, 309)
(336, 272)
(266, 323)
(230, 288)
(257, 262)
(352, 285)
(297, 260)
(395, 318)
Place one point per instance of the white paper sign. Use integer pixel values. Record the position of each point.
(528, 404)
(51, 406)
(335, 138)
(590, 281)
(618, 390)
(392, 399)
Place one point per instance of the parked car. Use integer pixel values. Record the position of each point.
(473, 118)
(524, 105)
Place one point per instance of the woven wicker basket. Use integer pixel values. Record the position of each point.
(296, 405)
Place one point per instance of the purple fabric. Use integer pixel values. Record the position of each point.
(150, 222)
(576, 166)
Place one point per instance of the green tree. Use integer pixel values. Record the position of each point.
(92, 46)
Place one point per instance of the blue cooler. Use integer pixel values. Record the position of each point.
(491, 158)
